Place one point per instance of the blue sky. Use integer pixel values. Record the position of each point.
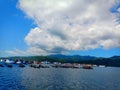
(32, 28)
(14, 26)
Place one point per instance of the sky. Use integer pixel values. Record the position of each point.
(71, 27)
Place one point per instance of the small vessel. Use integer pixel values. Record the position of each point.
(94, 65)
(67, 65)
(9, 61)
(76, 65)
(101, 65)
(18, 62)
(87, 66)
(57, 65)
(2, 60)
(44, 66)
(35, 65)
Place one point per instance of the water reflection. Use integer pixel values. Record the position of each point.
(28, 78)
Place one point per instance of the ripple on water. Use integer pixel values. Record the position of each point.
(59, 79)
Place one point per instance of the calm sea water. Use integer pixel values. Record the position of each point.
(28, 78)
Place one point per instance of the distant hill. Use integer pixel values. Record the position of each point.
(111, 61)
(78, 57)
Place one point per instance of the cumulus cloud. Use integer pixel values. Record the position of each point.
(64, 25)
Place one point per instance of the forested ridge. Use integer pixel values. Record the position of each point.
(111, 61)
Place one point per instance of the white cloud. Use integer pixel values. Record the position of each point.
(65, 25)
(30, 51)
(118, 10)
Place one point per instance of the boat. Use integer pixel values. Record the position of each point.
(9, 61)
(35, 65)
(44, 66)
(56, 65)
(101, 65)
(94, 65)
(76, 65)
(67, 65)
(87, 66)
(2, 60)
(18, 62)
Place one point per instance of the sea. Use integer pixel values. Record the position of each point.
(28, 78)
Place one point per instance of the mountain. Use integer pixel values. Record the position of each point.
(111, 61)
(77, 57)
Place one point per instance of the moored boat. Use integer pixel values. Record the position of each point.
(35, 65)
(18, 62)
(44, 66)
(87, 66)
(9, 61)
(2, 60)
(101, 65)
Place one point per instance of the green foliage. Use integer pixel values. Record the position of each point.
(112, 61)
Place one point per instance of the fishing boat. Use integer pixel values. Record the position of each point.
(101, 65)
(1, 60)
(76, 65)
(9, 61)
(87, 66)
(35, 65)
(44, 66)
(18, 62)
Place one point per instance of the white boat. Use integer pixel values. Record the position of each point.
(94, 65)
(18, 62)
(1, 60)
(9, 61)
(101, 65)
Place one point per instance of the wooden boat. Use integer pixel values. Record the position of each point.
(44, 66)
(76, 65)
(35, 65)
(87, 66)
